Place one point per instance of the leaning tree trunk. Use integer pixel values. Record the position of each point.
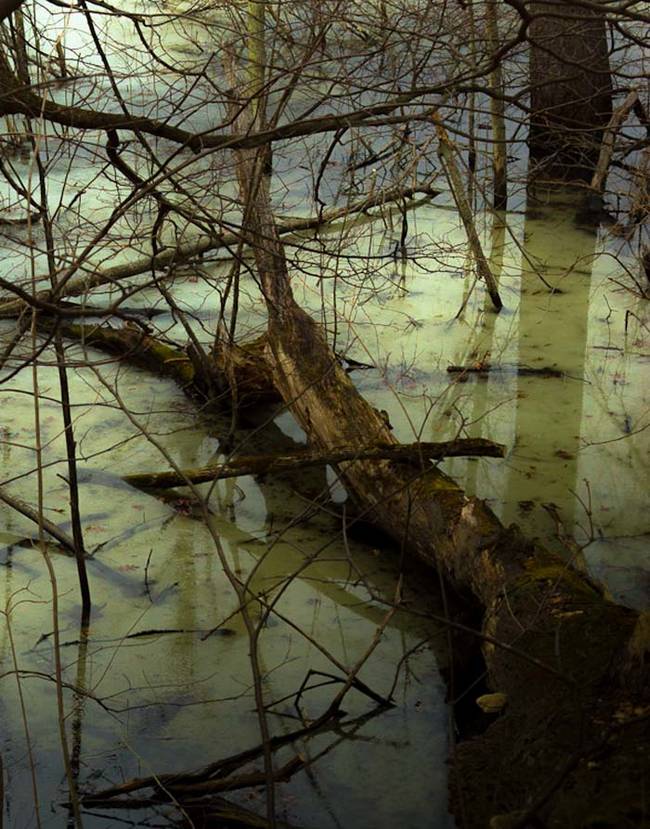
(571, 88)
(569, 668)
(568, 664)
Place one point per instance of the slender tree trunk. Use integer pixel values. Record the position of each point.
(497, 111)
(446, 154)
(256, 48)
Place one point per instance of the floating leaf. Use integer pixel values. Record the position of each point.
(492, 703)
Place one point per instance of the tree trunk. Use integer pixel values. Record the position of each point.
(571, 89)
(497, 113)
(446, 154)
(564, 695)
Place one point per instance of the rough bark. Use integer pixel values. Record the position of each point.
(577, 716)
(508, 776)
(571, 88)
(554, 729)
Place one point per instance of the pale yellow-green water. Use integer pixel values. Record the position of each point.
(577, 452)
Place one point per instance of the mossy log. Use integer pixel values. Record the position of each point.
(571, 737)
(568, 748)
(245, 365)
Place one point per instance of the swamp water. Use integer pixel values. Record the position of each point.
(147, 690)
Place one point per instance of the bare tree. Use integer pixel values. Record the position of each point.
(214, 193)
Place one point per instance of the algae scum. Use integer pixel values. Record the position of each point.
(162, 679)
(148, 691)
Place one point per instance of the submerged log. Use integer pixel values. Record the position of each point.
(487, 368)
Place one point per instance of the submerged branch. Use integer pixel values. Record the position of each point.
(486, 368)
(220, 769)
(33, 515)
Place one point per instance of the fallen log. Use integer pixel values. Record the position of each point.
(528, 595)
(536, 602)
(197, 791)
(273, 463)
(551, 754)
(246, 364)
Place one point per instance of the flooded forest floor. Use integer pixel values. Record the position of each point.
(236, 608)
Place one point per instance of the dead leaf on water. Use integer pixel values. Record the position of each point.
(492, 703)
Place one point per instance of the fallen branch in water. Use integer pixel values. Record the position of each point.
(51, 529)
(218, 770)
(263, 464)
(609, 138)
(199, 789)
(486, 368)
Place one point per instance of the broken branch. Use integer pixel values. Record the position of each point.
(263, 464)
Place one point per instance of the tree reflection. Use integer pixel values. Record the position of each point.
(557, 259)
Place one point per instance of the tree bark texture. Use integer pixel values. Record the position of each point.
(536, 762)
(571, 88)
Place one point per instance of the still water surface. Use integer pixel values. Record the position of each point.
(169, 701)
(173, 698)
